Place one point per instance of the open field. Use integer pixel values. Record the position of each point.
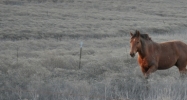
(40, 43)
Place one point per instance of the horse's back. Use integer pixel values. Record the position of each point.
(171, 52)
(182, 50)
(181, 45)
(176, 47)
(174, 44)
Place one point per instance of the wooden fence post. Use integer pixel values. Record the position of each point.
(80, 54)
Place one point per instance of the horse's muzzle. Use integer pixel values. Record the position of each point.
(132, 54)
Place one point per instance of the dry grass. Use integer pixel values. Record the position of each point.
(40, 49)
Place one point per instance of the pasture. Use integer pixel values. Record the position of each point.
(40, 43)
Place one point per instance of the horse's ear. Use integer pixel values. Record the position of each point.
(148, 37)
(131, 34)
(138, 33)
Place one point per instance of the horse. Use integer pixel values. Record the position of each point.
(153, 56)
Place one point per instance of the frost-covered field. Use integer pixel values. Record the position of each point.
(40, 43)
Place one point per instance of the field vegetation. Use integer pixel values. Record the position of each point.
(40, 43)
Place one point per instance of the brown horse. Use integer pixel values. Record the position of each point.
(154, 56)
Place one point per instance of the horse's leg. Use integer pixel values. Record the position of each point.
(144, 71)
(147, 84)
(181, 65)
(150, 70)
(182, 70)
(146, 78)
(183, 73)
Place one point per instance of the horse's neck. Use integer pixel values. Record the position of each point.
(146, 46)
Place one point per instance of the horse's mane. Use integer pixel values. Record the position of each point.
(144, 36)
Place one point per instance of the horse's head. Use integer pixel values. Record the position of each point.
(135, 43)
